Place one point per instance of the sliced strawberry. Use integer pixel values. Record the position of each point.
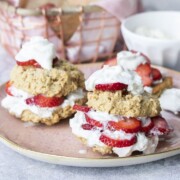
(7, 88)
(129, 125)
(146, 80)
(111, 62)
(81, 108)
(117, 143)
(111, 86)
(34, 63)
(30, 101)
(161, 126)
(144, 69)
(44, 101)
(93, 121)
(156, 74)
(87, 126)
(147, 127)
(31, 62)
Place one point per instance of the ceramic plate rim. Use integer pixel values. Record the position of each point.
(88, 162)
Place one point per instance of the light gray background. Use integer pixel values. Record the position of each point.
(16, 167)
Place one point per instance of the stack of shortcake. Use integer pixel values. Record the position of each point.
(120, 117)
(43, 88)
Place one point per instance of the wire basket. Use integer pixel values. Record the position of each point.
(80, 34)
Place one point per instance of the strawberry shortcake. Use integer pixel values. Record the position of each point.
(154, 82)
(118, 91)
(43, 88)
(120, 117)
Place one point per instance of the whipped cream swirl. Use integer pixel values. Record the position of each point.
(129, 60)
(38, 49)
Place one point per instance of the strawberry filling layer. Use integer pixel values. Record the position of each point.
(120, 131)
(94, 126)
(38, 100)
(17, 101)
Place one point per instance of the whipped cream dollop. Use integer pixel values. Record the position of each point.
(145, 144)
(129, 60)
(17, 104)
(113, 74)
(151, 32)
(170, 100)
(39, 49)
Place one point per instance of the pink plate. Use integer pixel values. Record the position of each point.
(56, 144)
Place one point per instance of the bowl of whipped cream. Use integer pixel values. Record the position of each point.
(156, 34)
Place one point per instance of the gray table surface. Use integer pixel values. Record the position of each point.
(14, 166)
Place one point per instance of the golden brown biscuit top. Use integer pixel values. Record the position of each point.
(59, 81)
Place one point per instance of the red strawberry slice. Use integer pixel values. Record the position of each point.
(93, 122)
(144, 69)
(129, 125)
(156, 74)
(31, 62)
(87, 126)
(161, 126)
(147, 127)
(44, 101)
(146, 80)
(110, 62)
(81, 108)
(7, 88)
(117, 143)
(111, 86)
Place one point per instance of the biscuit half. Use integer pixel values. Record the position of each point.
(145, 105)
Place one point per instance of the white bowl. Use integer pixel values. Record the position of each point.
(164, 52)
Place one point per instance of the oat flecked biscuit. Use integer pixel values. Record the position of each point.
(145, 105)
(101, 149)
(61, 80)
